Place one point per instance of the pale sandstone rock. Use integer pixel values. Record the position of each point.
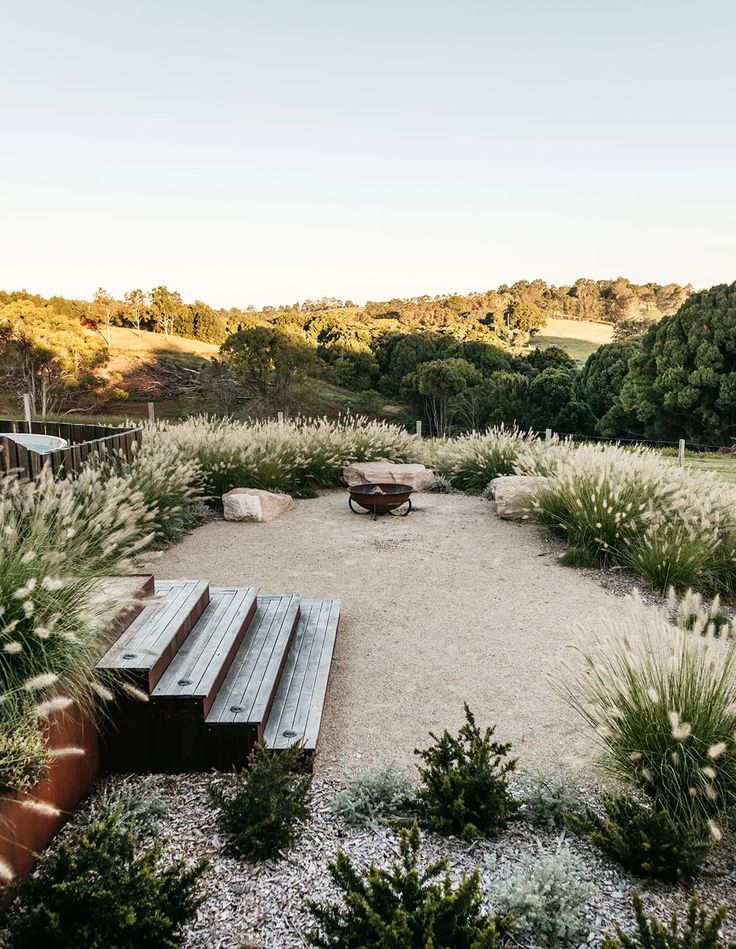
(252, 504)
(383, 472)
(514, 495)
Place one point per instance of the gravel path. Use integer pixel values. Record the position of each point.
(445, 606)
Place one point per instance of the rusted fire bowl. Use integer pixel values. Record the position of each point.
(377, 498)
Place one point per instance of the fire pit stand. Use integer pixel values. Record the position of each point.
(380, 498)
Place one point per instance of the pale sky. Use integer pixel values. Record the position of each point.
(267, 152)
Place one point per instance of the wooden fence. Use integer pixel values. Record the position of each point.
(83, 441)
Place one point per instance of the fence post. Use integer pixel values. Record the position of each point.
(419, 427)
(681, 453)
(280, 417)
(548, 436)
(27, 409)
(151, 413)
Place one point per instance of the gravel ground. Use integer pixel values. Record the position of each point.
(447, 605)
(262, 905)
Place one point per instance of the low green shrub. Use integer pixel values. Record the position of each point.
(375, 796)
(99, 889)
(405, 906)
(22, 754)
(549, 801)
(464, 782)
(698, 930)
(661, 704)
(261, 807)
(546, 898)
(646, 841)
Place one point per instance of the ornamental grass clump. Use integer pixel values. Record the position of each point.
(297, 457)
(405, 905)
(463, 786)
(59, 538)
(262, 807)
(698, 930)
(546, 897)
(629, 508)
(661, 703)
(471, 462)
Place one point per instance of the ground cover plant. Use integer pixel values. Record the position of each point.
(463, 786)
(297, 457)
(546, 898)
(101, 887)
(371, 798)
(550, 800)
(261, 807)
(661, 703)
(698, 930)
(405, 906)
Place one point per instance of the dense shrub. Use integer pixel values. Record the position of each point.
(549, 801)
(377, 795)
(646, 841)
(546, 898)
(297, 457)
(698, 931)
(405, 906)
(99, 889)
(464, 786)
(661, 703)
(262, 806)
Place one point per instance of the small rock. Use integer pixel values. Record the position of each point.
(252, 504)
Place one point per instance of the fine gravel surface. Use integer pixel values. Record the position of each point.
(445, 606)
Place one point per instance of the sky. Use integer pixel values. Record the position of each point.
(264, 153)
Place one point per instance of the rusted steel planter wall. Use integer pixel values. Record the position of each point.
(25, 832)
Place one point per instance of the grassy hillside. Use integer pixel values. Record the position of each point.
(579, 338)
(124, 340)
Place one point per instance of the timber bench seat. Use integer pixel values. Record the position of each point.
(223, 667)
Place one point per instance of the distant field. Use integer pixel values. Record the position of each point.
(579, 338)
(127, 340)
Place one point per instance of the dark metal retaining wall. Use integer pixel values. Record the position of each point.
(84, 440)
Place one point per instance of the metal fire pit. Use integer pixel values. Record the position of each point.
(379, 498)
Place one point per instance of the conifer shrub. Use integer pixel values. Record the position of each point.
(99, 888)
(261, 807)
(464, 782)
(646, 841)
(546, 898)
(697, 931)
(405, 906)
(375, 796)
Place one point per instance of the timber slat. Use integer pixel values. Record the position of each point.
(247, 692)
(153, 638)
(297, 708)
(203, 660)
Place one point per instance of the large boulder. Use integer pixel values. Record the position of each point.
(384, 472)
(252, 504)
(514, 495)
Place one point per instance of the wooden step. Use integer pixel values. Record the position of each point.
(238, 714)
(296, 712)
(198, 669)
(152, 640)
